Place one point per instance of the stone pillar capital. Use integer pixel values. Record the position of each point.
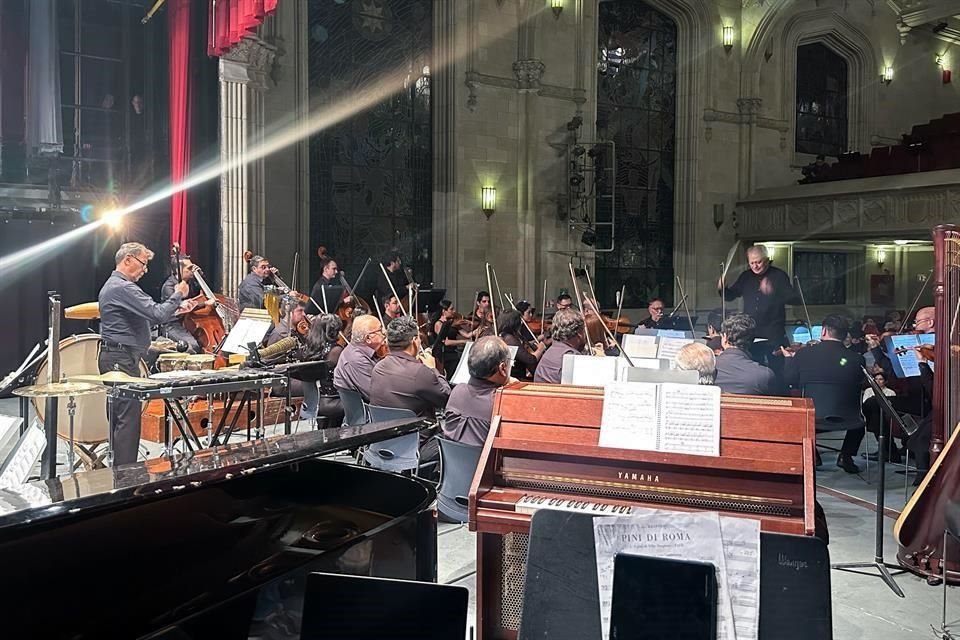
(529, 73)
(249, 62)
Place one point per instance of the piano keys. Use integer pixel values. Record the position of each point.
(543, 453)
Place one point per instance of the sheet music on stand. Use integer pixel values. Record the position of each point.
(462, 374)
(251, 327)
(902, 352)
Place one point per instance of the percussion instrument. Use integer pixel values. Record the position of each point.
(78, 356)
(168, 362)
(84, 311)
(110, 379)
(59, 390)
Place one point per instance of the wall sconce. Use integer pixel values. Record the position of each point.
(939, 59)
(488, 200)
(887, 76)
(718, 216)
(881, 258)
(727, 39)
(557, 7)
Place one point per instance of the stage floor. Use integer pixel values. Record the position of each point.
(863, 606)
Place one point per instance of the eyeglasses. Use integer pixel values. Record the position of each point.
(656, 308)
(144, 264)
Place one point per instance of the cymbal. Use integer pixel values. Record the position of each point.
(85, 311)
(59, 389)
(111, 378)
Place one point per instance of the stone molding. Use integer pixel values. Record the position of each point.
(880, 209)
(249, 62)
(749, 110)
(529, 73)
(474, 79)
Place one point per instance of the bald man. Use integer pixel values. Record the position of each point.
(356, 363)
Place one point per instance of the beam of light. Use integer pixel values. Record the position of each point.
(284, 135)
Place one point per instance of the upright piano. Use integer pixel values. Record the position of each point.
(211, 544)
(542, 452)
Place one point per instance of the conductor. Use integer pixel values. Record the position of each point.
(126, 315)
(765, 290)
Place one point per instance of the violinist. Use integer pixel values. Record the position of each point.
(175, 329)
(250, 292)
(292, 313)
(656, 319)
(564, 301)
(328, 277)
(451, 332)
(320, 397)
(528, 355)
(356, 363)
(568, 337)
(391, 308)
(482, 318)
(526, 314)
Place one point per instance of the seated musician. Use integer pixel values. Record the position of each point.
(449, 336)
(407, 378)
(915, 397)
(250, 292)
(391, 308)
(829, 361)
(564, 301)
(657, 319)
(174, 329)
(737, 372)
(291, 314)
(328, 278)
(355, 366)
(394, 267)
(511, 330)
(568, 337)
(527, 314)
(697, 357)
(320, 398)
(482, 317)
(470, 407)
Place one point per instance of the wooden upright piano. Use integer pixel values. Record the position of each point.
(542, 452)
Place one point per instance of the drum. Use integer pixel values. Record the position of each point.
(200, 362)
(78, 356)
(167, 362)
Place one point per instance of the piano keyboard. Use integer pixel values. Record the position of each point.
(530, 504)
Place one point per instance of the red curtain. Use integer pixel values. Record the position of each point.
(230, 20)
(178, 14)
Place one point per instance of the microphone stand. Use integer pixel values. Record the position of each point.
(683, 301)
(878, 563)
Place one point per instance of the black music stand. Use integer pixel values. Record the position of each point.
(429, 299)
(878, 563)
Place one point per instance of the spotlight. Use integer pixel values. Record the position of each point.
(114, 219)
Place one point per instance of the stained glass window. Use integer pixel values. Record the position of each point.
(636, 109)
(823, 276)
(371, 172)
(821, 101)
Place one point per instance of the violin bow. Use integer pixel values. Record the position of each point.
(543, 307)
(522, 321)
(683, 301)
(392, 289)
(913, 307)
(620, 296)
(493, 312)
(806, 311)
(603, 324)
(576, 294)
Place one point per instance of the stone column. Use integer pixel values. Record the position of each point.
(243, 80)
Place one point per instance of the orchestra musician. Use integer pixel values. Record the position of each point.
(407, 379)
(564, 301)
(292, 312)
(470, 407)
(737, 372)
(175, 329)
(482, 317)
(126, 316)
(450, 335)
(391, 308)
(320, 397)
(765, 290)
(568, 337)
(328, 278)
(528, 356)
(250, 292)
(656, 319)
(698, 357)
(393, 265)
(355, 366)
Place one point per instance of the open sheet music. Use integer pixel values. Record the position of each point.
(902, 351)
(674, 418)
(251, 327)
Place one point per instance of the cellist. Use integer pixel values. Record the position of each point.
(174, 329)
(328, 277)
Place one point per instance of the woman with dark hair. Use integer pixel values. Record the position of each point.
(448, 337)
(320, 399)
(527, 358)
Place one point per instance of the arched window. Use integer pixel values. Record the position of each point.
(821, 101)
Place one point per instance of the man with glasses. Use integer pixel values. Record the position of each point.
(250, 292)
(126, 315)
(356, 363)
(657, 319)
(564, 301)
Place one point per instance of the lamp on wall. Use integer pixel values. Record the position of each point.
(728, 38)
(718, 216)
(488, 200)
(881, 257)
(887, 76)
(557, 7)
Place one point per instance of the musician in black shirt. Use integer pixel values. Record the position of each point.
(174, 329)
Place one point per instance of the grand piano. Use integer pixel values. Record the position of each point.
(542, 453)
(211, 544)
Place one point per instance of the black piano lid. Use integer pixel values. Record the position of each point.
(46, 501)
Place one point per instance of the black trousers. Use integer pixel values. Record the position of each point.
(125, 421)
(175, 331)
(851, 441)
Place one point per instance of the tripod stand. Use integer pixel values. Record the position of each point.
(882, 567)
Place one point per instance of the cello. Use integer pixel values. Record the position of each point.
(919, 531)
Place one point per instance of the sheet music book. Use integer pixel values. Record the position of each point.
(462, 374)
(639, 346)
(667, 348)
(589, 371)
(251, 327)
(907, 363)
(666, 417)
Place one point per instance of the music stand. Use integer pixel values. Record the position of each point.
(878, 563)
(429, 299)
